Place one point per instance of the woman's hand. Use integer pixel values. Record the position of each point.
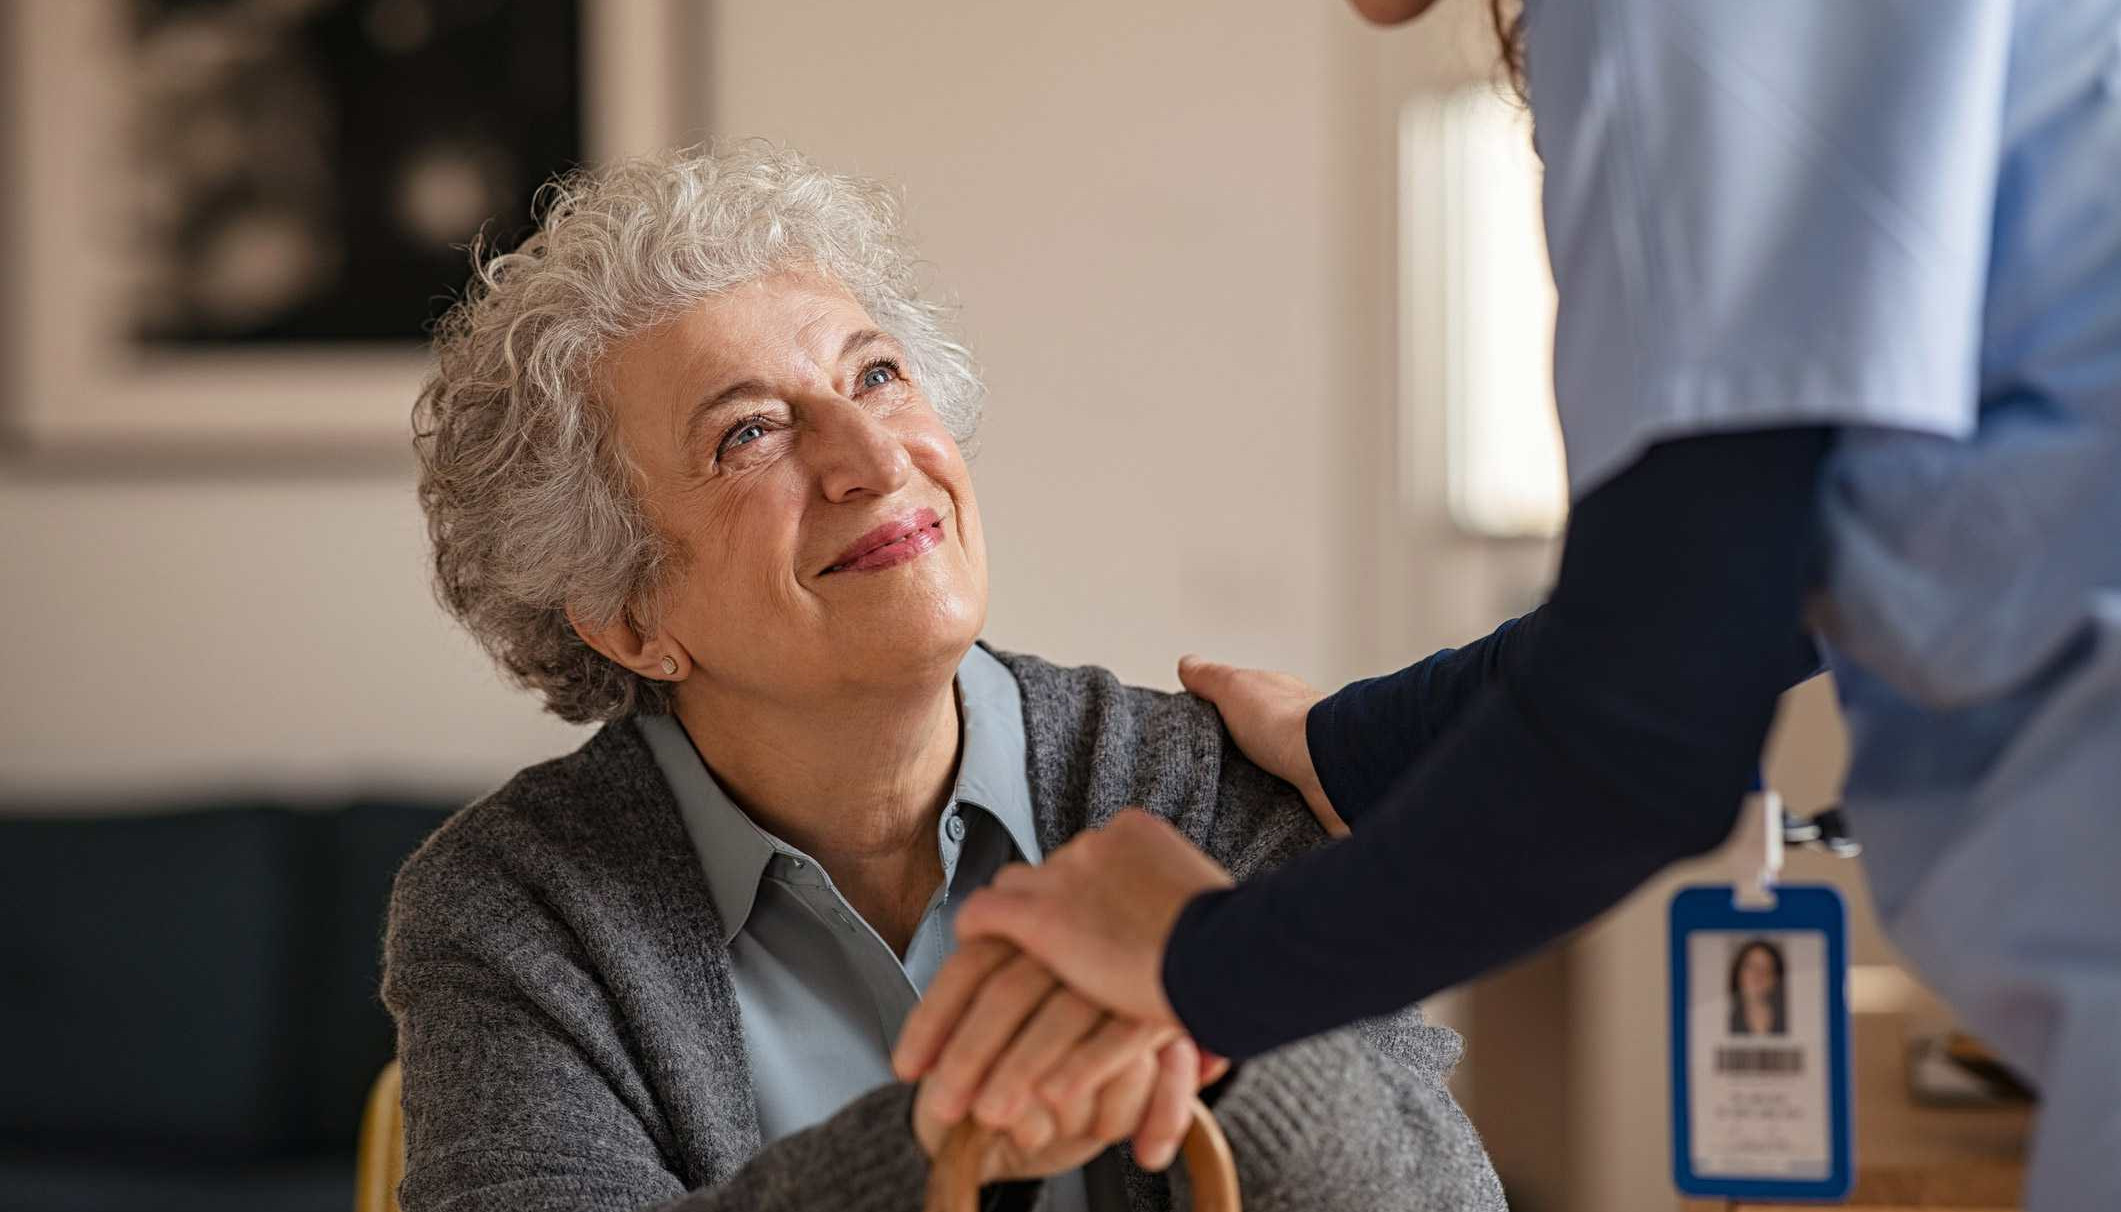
(1111, 1079)
(1144, 1097)
(1266, 714)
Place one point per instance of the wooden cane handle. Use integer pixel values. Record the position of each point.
(1209, 1164)
(954, 1179)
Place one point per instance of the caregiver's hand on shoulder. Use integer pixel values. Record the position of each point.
(1266, 714)
(1125, 1080)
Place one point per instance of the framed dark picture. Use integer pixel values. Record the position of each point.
(235, 220)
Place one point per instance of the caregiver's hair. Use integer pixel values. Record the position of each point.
(1507, 17)
(532, 506)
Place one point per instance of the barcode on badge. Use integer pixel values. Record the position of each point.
(1760, 1060)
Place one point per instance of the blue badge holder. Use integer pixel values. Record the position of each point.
(1796, 908)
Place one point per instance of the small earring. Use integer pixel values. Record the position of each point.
(670, 666)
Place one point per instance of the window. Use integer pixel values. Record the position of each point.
(1474, 266)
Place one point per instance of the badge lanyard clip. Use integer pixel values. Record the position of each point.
(1757, 858)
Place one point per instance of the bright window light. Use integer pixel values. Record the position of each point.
(1470, 213)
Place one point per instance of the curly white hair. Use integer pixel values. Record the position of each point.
(531, 505)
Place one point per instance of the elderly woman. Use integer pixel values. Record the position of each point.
(692, 467)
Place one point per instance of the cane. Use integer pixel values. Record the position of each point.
(953, 1181)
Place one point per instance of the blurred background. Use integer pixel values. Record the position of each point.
(1257, 277)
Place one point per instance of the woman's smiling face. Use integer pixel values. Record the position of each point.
(824, 515)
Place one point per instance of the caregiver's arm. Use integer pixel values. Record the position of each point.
(1355, 1119)
(1359, 1118)
(1353, 745)
(1362, 738)
(1620, 740)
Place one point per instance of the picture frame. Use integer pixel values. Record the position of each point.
(83, 384)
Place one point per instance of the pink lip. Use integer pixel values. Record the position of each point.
(897, 541)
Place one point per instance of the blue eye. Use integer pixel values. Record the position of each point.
(744, 435)
(878, 374)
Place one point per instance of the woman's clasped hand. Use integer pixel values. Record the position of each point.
(1054, 1077)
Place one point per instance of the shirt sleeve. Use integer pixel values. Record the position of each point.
(1620, 739)
(1364, 736)
(1765, 214)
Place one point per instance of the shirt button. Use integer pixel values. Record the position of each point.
(955, 828)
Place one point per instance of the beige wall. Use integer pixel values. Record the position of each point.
(167, 635)
(1138, 206)
(1141, 208)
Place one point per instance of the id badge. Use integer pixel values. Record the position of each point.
(1760, 1045)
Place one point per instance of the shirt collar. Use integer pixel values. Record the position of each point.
(992, 770)
(734, 852)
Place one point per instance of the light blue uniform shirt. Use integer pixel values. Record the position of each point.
(1901, 218)
(820, 995)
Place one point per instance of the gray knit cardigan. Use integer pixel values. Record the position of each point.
(569, 1032)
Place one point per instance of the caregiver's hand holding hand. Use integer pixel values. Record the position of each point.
(1097, 914)
(1113, 1079)
(988, 1035)
(1266, 714)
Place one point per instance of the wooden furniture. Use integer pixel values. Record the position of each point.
(380, 1164)
(1912, 1158)
(953, 1183)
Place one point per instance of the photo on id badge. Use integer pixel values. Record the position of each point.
(1762, 1100)
(1757, 1036)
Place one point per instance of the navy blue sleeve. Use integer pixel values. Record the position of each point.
(1363, 737)
(1612, 737)
(1366, 735)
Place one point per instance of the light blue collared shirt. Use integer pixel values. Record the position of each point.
(1902, 219)
(820, 996)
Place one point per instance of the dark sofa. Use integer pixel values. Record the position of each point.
(188, 1011)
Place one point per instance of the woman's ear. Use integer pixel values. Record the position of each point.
(656, 657)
